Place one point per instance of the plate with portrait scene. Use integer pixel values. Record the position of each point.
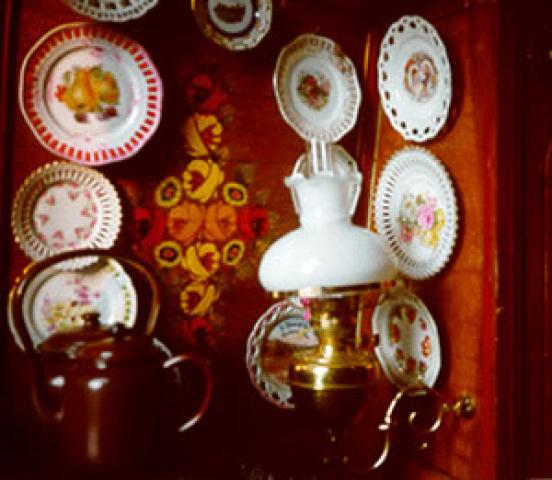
(58, 299)
(112, 10)
(90, 94)
(63, 206)
(414, 78)
(407, 341)
(317, 88)
(416, 212)
(279, 332)
(233, 24)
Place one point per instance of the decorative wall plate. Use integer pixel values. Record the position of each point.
(408, 345)
(89, 94)
(317, 88)
(62, 207)
(56, 299)
(416, 213)
(280, 331)
(233, 24)
(414, 78)
(112, 10)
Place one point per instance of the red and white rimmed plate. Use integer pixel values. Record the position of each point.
(278, 332)
(317, 88)
(408, 347)
(58, 299)
(233, 24)
(63, 207)
(90, 94)
(112, 10)
(414, 78)
(416, 212)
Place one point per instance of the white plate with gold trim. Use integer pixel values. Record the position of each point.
(233, 24)
(90, 94)
(278, 332)
(416, 212)
(414, 78)
(58, 299)
(408, 347)
(317, 88)
(63, 206)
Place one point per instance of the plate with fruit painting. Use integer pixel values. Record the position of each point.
(58, 299)
(62, 207)
(317, 88)
(416, 212)
(90, 94)
(233, 24)
(407, 340)
(414, 78)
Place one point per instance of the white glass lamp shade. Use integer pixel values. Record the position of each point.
(326, 250)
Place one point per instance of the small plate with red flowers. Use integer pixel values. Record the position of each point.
(90, 94)
(316, 88)
(407, 340)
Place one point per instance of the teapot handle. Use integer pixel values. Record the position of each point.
(208, 390)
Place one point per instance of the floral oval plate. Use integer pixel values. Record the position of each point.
(57, 299)
(89, 94)
(414, 78)
(407, 341)
(112, 10)
(278, 332)
(233, 24)
(64, 206)
(416, 213)
(317, 88)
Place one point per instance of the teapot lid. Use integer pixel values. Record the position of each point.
(66, 344)
(122, 346)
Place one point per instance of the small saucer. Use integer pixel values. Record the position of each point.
(408, 345)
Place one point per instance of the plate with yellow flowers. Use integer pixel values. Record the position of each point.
(90, 94)
(416, 212)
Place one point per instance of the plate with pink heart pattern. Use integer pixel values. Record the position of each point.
(407, 340)
(63, 207)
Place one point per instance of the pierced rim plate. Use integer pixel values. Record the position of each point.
(89, 94)
(414, 78)
(278, 332)
(233, 24)
(63, 206)
(56, 299)
(416, 212)
(408, 348)
(317, 88)
(111, 10)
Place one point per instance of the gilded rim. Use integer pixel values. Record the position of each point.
(58, 173)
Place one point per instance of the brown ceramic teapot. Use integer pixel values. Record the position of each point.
(109, 389)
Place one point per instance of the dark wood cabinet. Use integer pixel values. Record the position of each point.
(491, 303)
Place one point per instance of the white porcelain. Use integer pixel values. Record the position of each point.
(63, 206)
(317, 88)
(416, 212)
(90, 94)
(327, 250)
(277, 333)
(408, 347)
(414, 78)
(112, 10)
(233, 24)
(57, 299)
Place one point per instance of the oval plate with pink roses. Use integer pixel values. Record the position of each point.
(407, 341)
(416, 212)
